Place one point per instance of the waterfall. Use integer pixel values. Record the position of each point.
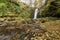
(35, 13)
(39, 5)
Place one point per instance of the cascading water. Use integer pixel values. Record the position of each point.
(35, 13)
(40, 4)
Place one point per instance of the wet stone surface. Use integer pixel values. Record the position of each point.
(12, 31)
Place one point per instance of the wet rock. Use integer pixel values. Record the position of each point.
(12, 23)
(2, 19)
(3, 24)
(38, 32)
(11, 19)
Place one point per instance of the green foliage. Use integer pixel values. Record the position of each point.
(27, 13)
(20, 10)
(3, 9)
(51, 9)
(4, 1)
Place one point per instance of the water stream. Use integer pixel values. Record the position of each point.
(39, 5)
(35, 13)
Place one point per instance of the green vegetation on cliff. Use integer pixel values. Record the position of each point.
(8, 8)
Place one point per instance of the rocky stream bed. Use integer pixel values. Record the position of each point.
(13, 30)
